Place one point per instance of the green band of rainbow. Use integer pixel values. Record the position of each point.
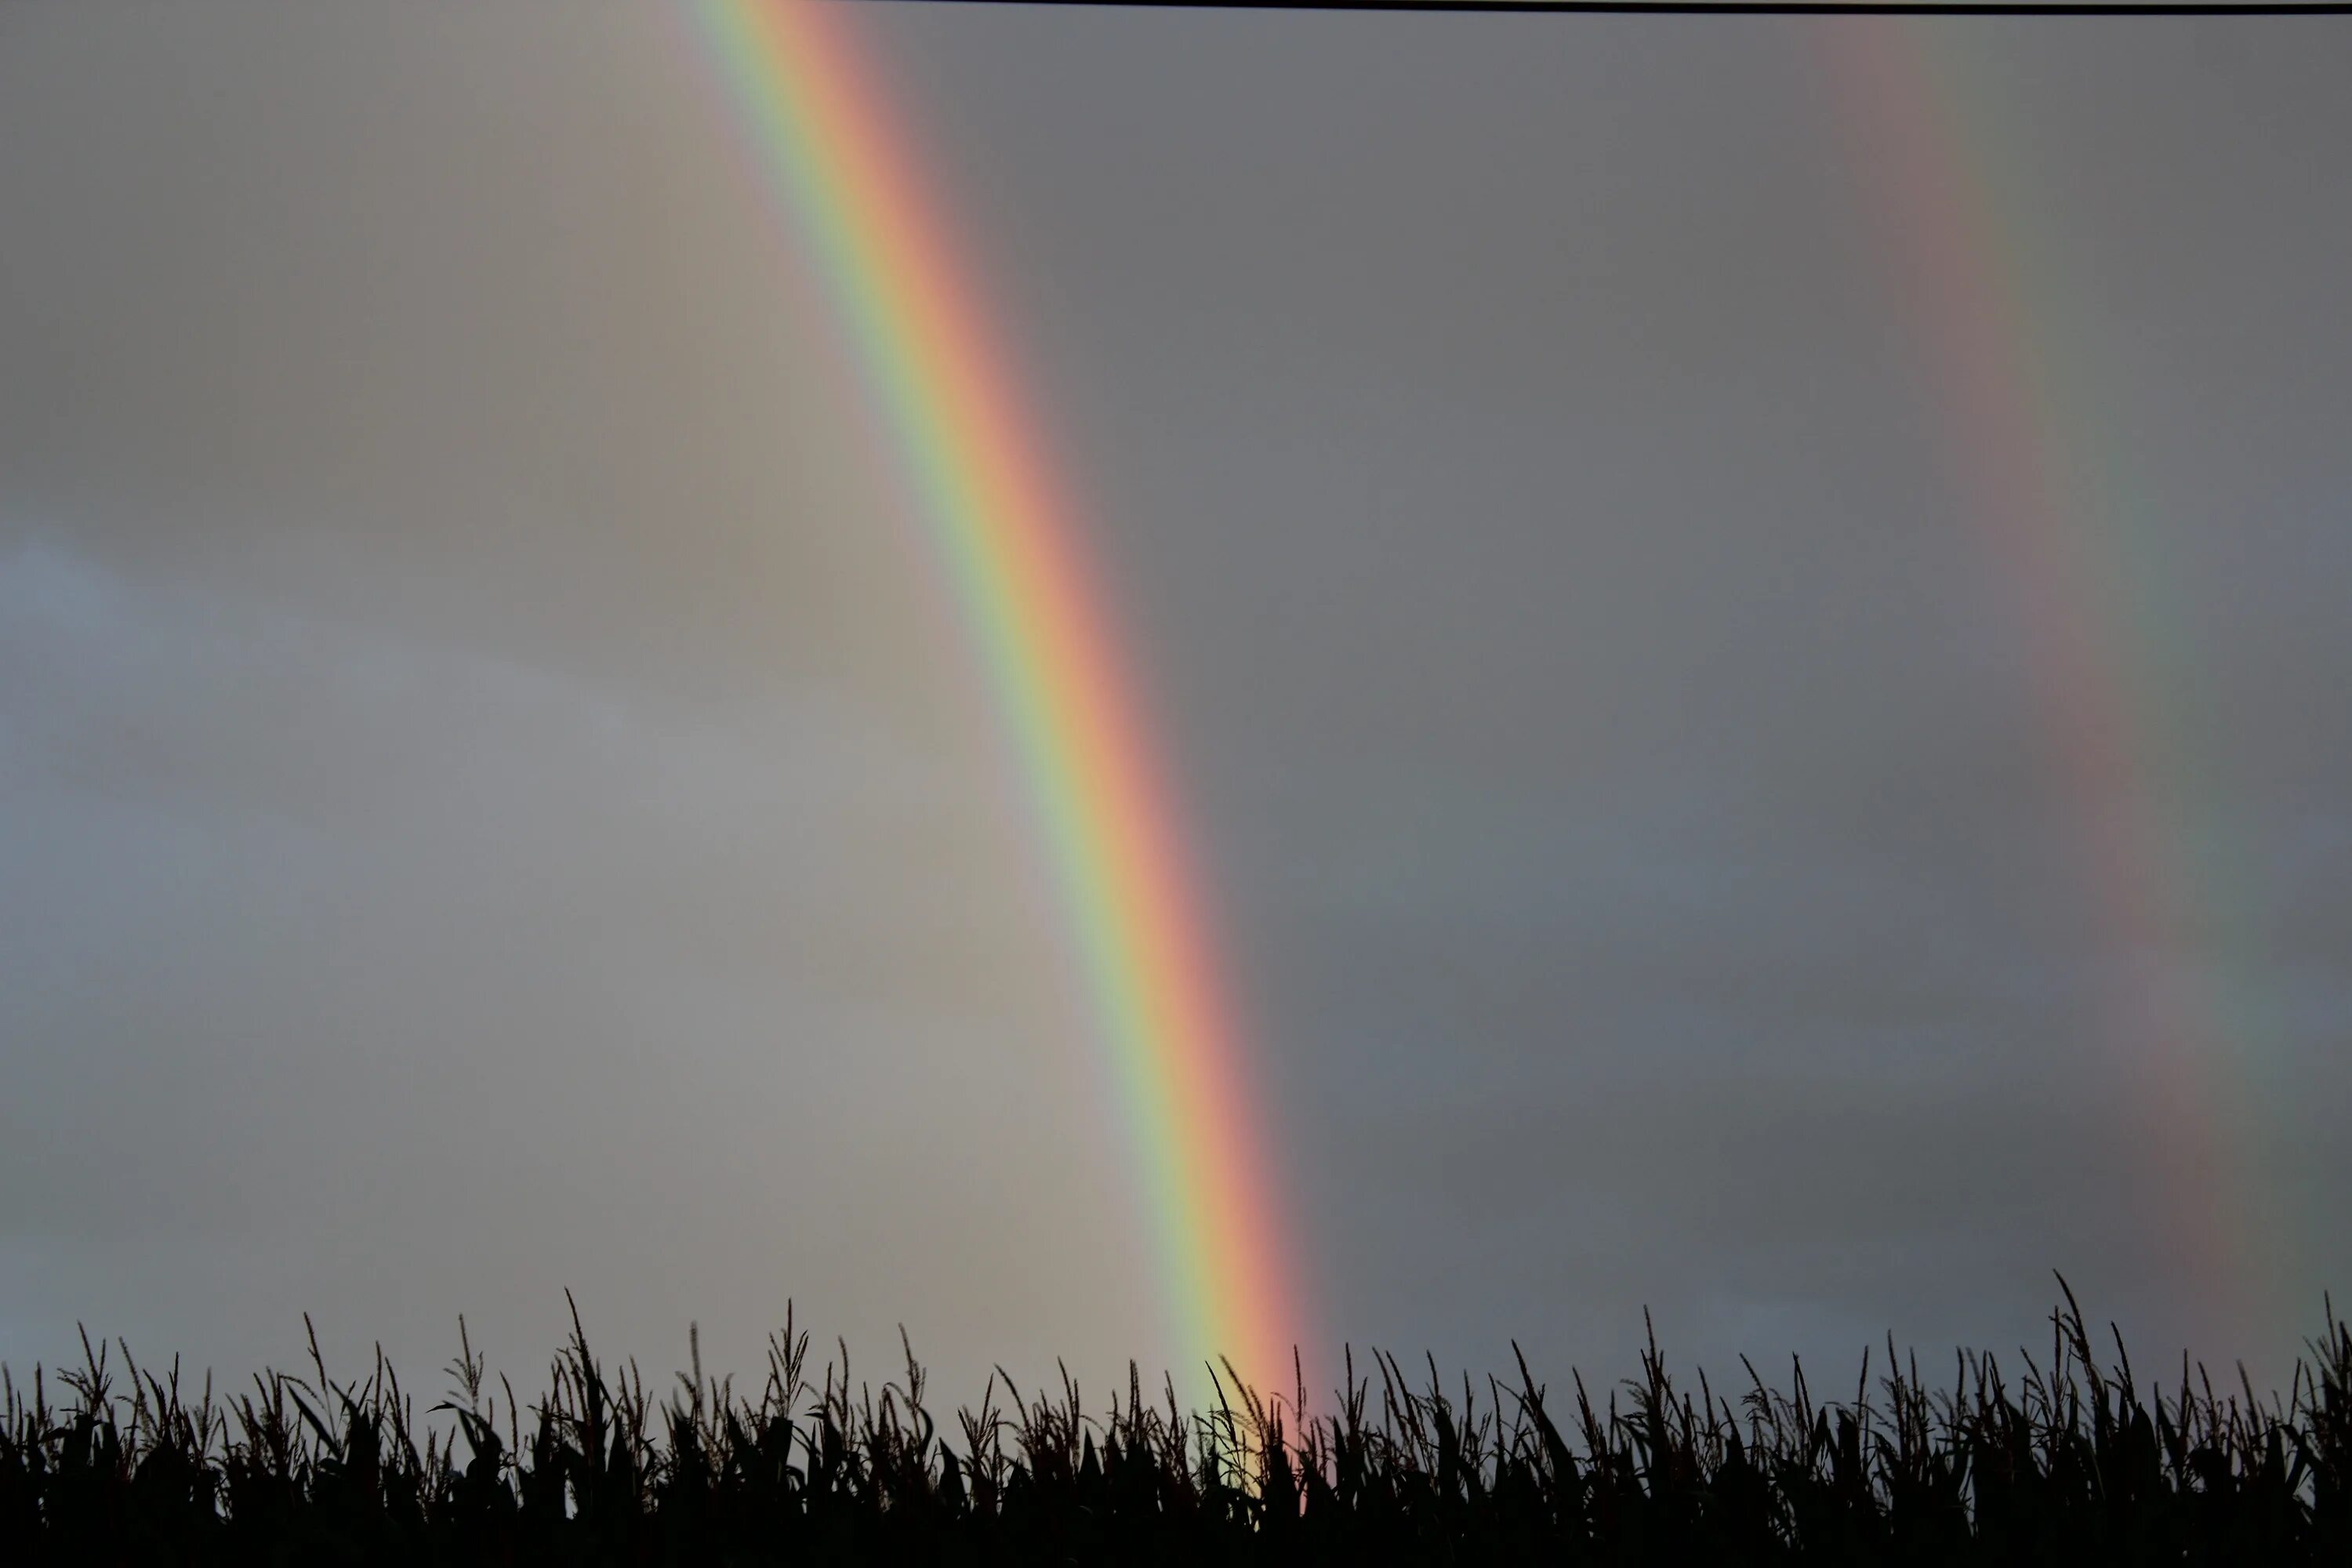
(825, 135)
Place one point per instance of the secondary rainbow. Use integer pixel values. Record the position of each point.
(835, 156)
(2043, 480)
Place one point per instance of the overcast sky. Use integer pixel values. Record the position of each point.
(492, 798)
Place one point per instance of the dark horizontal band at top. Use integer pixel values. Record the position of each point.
(1684, 7)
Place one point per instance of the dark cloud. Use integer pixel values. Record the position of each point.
(497, 796)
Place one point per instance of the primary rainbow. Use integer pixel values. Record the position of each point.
(825, 135)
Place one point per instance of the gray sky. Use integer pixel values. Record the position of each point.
(492, 798)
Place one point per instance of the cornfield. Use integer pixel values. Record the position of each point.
(2062, 1459)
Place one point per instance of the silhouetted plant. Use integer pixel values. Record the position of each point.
(2063, 1461)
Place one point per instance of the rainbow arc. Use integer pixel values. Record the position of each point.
(1014, 548)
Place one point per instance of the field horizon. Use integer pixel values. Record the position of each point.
(2070, 1452)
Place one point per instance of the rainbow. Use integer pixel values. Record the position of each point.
(2025, 450)
(824, 132)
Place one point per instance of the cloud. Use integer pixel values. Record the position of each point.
(498, 796)
(318, 932)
